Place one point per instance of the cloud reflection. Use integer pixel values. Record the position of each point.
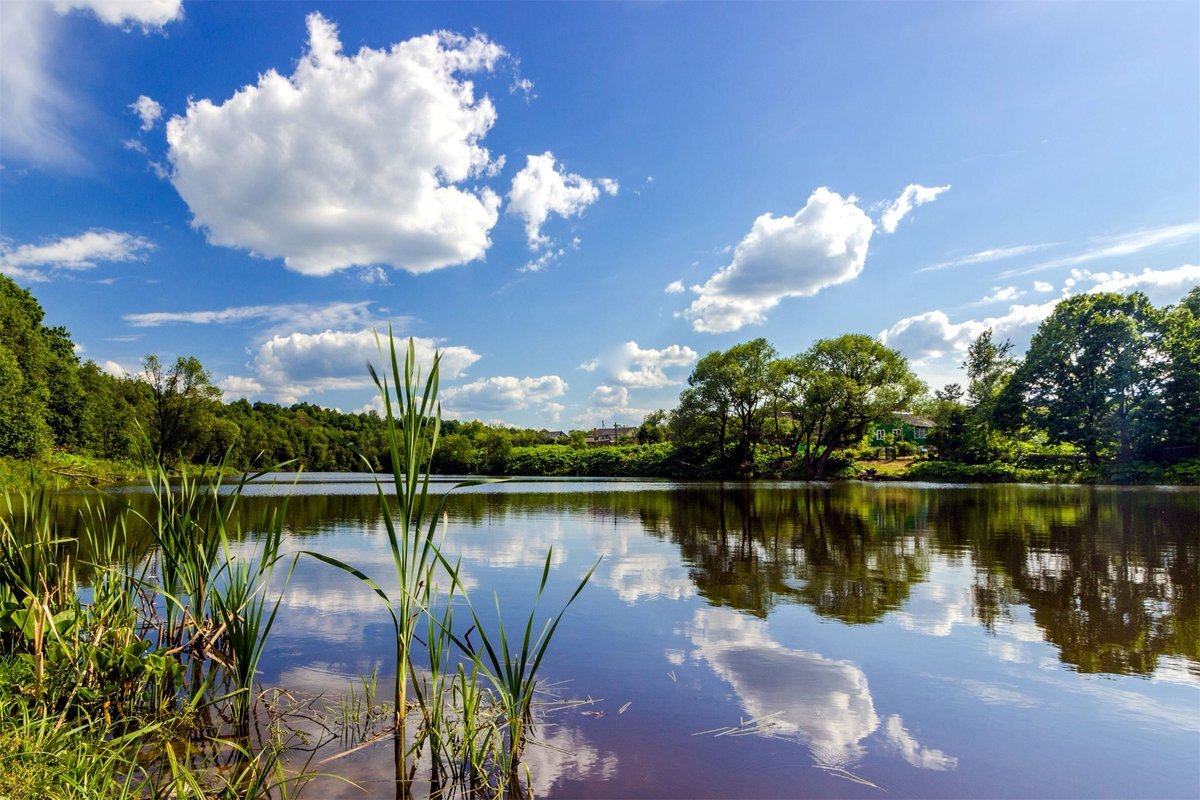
(823, 702)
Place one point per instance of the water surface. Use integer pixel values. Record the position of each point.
(881, 640)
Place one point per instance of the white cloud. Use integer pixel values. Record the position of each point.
(675, 287)
(823, 244)
(294, 365)
(148, 111)
(135, 146)
(349, 161)
(36, 262)
(1001, 294)
(995, 254)
(234, 387)
(1114, 246)
(542, 189)
(503, 393)
(523, 87)
(330, 316)
(37, 109)
(635, 367)
(610, 405)
(1160, 285)
(146, 14)
(913, 195)
(936, 344)
(117, 370)
(1043, 287)
(929, 336)
(544, 260)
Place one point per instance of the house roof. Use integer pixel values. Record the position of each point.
(909, 418)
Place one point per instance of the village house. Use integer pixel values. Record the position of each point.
(903, 425)
(605, 437)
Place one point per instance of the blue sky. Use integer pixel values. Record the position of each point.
(576, 201)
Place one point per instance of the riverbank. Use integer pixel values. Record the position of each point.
(60, 470)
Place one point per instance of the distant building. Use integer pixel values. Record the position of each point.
(551, 437)
(901, 425)
(606, 437)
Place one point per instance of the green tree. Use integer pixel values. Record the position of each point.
(182, 397)
(1091, 366)
(725, 397)
(838, 388)
(23, 430)
(24, 367)
(653, 428)
(1172, 428)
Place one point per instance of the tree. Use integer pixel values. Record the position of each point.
(653, 428)
(990, 366)
(838, 388)
(1170, 430)
(23, 431)
(1091, 366)
(725, 395)
(181, 397)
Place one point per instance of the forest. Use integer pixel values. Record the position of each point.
(1109, 390)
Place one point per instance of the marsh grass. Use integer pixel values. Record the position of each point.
(473, 708)
(123, 674)
(129, 654)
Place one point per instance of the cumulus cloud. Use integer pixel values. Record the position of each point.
(822, 244)
(932, 341)
(36, 107)
(350, 160)
(674, 287)
(610, 405)
(929, 336)
(291, 366)
(38, 262)
(635, 367)
(500, 394)
(1001, 294)
(1043, 287)
(312, 317)
(146, 14)
(148, 111)
(1160, 285)
(1121, 245)
(983, 256)
(234, 387)
(913, 195)
(542, 188)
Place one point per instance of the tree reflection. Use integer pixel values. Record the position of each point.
(1111, 577)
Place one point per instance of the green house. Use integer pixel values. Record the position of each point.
(911, 427)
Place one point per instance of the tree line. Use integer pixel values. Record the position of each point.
(1108, 379)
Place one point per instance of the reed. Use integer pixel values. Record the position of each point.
(240, 605)
(474, 735)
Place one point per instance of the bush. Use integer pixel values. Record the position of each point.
(1186, 472)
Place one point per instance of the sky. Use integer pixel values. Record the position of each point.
(573, 203)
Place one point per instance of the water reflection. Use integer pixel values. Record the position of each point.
(823, 702)
(913, 638)
(1111, 577)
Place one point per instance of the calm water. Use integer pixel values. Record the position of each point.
(892, 640)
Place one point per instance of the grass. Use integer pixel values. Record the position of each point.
(471, 735)
(129, 663)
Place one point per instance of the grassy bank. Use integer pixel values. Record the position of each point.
(60, 470)
(129, 655)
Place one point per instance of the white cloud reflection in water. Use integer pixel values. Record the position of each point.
(822, 702)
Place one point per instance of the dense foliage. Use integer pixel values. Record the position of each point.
(1109, 390)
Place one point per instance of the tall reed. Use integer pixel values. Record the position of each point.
(455, 712)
